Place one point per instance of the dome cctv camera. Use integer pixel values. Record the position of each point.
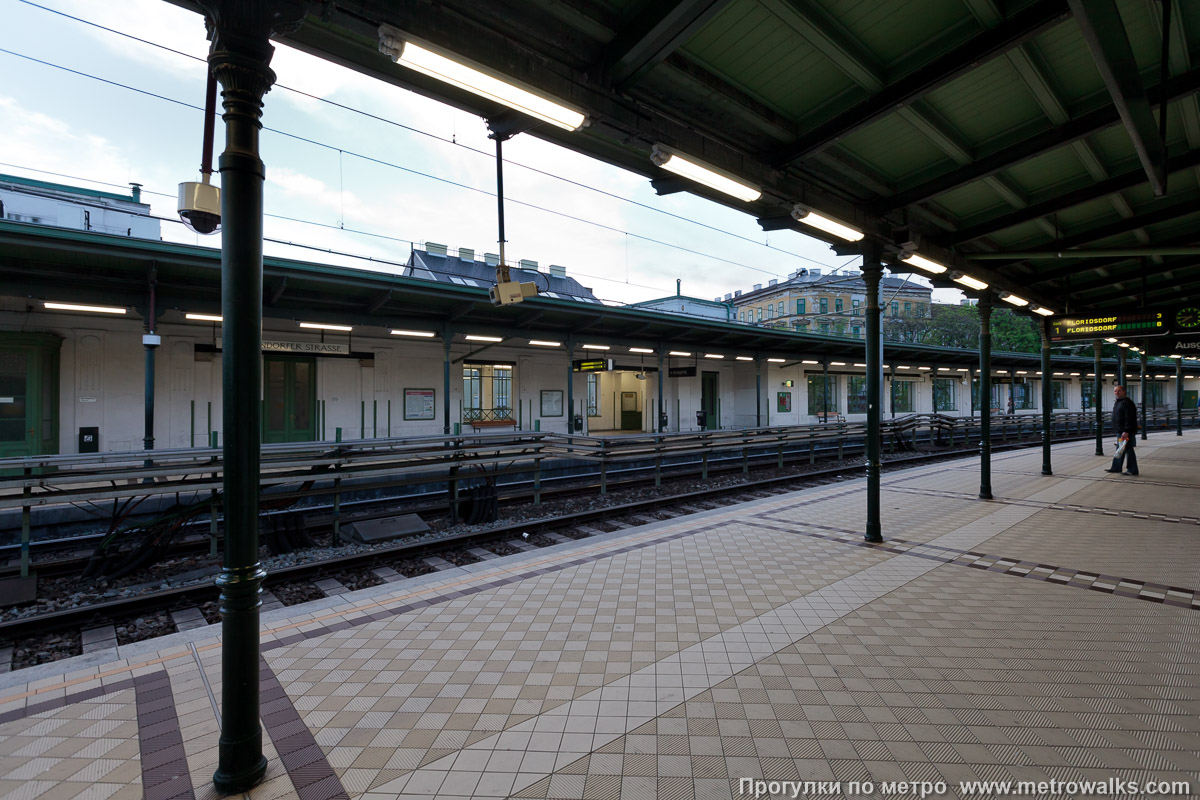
(200, 206)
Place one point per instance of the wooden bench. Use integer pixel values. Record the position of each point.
(485, 424)
(830, 416)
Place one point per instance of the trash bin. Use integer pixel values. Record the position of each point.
(701, 416)
(89, 440)
(578, 423)
(662, 421)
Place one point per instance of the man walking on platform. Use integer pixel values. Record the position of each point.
(1124, 417)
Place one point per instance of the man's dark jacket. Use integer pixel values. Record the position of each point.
(1124, 417)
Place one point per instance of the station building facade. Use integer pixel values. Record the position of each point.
(359, 355)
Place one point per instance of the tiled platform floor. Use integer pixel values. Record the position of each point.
(1051, 634)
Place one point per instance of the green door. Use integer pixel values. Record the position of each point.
(631, 414)
(709, 392)
(289, 397)
(28, 394)
(1189, 398)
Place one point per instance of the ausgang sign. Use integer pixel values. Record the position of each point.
(1125, 324)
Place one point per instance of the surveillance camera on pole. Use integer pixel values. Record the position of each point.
(506, 291)
(199, 204)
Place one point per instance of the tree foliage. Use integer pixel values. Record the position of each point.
(958, 326)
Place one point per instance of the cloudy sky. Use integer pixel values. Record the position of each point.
(354, 183)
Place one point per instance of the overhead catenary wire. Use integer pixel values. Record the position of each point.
(451, 141)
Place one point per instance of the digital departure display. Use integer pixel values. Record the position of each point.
(1148, 322)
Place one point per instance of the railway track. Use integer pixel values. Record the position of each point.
(95, 625)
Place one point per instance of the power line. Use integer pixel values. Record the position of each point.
(451, 142)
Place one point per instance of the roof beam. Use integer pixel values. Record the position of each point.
(1175, 283)
(1019, 28)
(1084, 194)
(1090, 123)
(654, 34)
(1102, 28)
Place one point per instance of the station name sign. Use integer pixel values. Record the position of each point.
(681, 372)
(593, 365)
(313, 348)
(1136, 323)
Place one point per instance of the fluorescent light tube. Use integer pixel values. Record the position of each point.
(594, 346)
(809, 361)
(743, 358)
(204, 317)
(474, 338)
(920, 262)
(1045, 312)
(640, 350)
(678, 353)
(703, 173)
(777, 360)
(541, 343)
(968, 281)
(824, 223)
(1009, 297)
(477, 80)
(713, 355)
(422, 334)
(75, 307)
(320, 327)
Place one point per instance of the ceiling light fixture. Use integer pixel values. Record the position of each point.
(75, 307)
(476, 79)
(1111, 341)
(824, 223)
(640, 350)
(1045, 312)
(837, 363)
(966, 280)
(594, 346)
(776, 360)
(859, 365)
(744, 358)
(543, 343)
(920, 262)
(809, 361)
(678, 353)
(422, 334)
(204, 317)
(706, 174)
(713, 355)
(322, 327)
(1009, 297)
(476, 338)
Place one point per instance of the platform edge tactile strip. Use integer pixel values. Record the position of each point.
(165, 774)
(303, 759)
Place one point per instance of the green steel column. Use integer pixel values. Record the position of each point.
(1145, 390)
(1179, 397)
(659, 425)
(1047, 401)
(447, 337)
(825, 389)
(1121, 368)
(1098, 397)
(150, 341)
(985, 396)
(872, 272)
(570, 389)
(758, 392)
(239, 57)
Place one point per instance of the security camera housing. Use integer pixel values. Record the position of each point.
(200, 206)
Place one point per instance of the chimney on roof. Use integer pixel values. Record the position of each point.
(772, 282)
(557, 271)
(678, 287)
(466, 254)
(816, 273)
(492, 259)
(757, 286)
(729, 295)
(737, 293)
(435, 249)
(136, 194)
(525, 263)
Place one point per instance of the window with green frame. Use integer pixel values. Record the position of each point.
(1154, 395)
(837, 305)
(895, 308)
(945, 394)
(856, 394)
(1023, 395)
(593, 394)
(502, 388)
(800, 306)
(907, 309)
(1088, 390)
(975, 395)
(472, 388)
(821, 392)
(824, 305)
(902, 397)
(1058, 394)
(857, 332)
(858, 308)
(824, 327)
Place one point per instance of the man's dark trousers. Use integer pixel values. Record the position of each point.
(1127, 454)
